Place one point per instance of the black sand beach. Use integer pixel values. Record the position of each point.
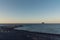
(26, 35)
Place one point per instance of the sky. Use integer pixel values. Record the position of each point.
(29, 11)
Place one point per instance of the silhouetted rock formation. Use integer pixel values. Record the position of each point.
(43, 23)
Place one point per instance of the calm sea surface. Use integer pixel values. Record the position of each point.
(45, 28)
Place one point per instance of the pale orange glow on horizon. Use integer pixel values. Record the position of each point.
(29, 21)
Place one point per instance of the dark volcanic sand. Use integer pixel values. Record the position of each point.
(25, 35)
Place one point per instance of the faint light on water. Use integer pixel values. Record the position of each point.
(1, 30)
(4, 31)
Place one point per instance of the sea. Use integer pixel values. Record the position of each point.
(45, 28)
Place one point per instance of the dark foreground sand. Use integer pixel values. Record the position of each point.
(25, 35)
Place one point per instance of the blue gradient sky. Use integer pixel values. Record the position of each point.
(29, 11)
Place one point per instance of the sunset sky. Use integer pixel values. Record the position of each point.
(29, 11)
